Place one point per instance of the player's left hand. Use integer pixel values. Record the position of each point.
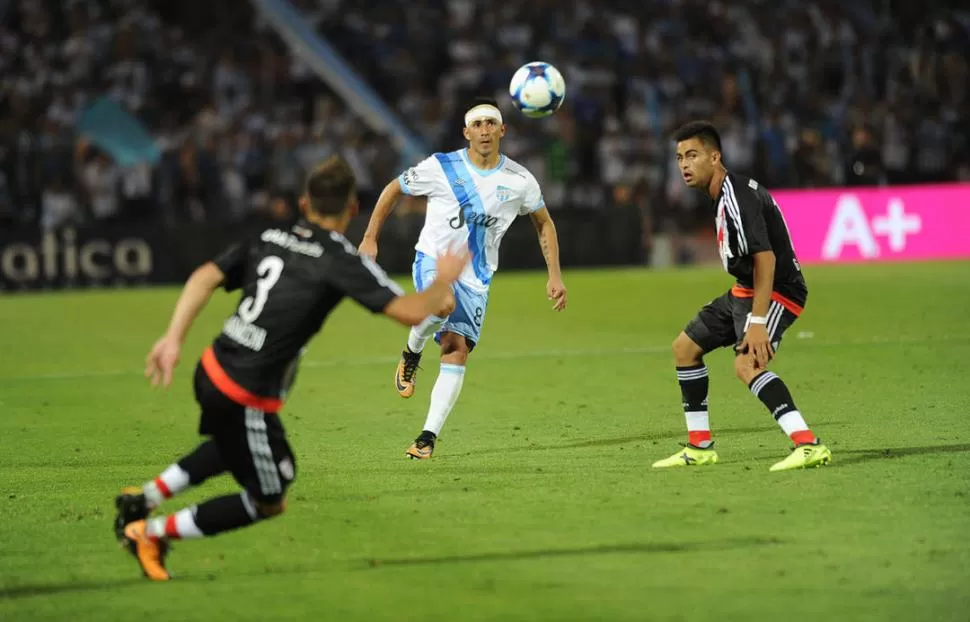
(758, 344)
(556, 290)
(162, 360)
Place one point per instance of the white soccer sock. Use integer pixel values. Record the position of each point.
(172, 481)
(420, 334)
(179, 526)
(444, 395)
(699, 429)
(792, 422)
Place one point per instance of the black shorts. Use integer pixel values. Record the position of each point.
(252, 443)
(723, 322)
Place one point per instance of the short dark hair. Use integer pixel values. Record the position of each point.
(703, 130)
(328, 186)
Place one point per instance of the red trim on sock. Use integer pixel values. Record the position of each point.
(171, 531)
(803, 437)
(163, 488)
(696, 437)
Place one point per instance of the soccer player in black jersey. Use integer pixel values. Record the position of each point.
(770, 293)
(289, 279)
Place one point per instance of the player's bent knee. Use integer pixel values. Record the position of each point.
(744, 368)
(454, 357)
(686, 352)
(454, 348)
(448, 308)
(267, 510)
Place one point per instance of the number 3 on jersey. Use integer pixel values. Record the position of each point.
(269, 271)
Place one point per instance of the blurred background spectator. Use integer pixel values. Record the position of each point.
(806, 94)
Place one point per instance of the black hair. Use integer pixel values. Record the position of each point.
(481, 101)
(703, 130)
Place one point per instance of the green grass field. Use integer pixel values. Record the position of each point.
(540, 503)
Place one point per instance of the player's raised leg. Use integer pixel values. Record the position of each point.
(407, 368)
(423, 273)
(774, 394)
(137, 503)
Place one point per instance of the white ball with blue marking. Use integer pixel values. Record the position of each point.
(537, 89)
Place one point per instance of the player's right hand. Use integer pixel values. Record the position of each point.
(368, 248)
(162, 360)
(451, 263)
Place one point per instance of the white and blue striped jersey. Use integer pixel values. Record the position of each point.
(469, 205)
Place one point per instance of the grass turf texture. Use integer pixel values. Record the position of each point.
(540, 503)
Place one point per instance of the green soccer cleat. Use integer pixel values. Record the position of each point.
(805, 456)
(688, 456)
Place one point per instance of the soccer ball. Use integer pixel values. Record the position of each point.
(537, 89)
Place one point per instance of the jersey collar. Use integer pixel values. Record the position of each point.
(482, 171)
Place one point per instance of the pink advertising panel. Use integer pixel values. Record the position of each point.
(899, 223)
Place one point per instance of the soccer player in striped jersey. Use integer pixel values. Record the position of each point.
(756, 249)
(473, 196)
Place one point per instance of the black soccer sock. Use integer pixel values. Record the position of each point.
(226, 513)
(694, 383)
(207, 519)
(191, 470)
(773, 393)
(203, 463)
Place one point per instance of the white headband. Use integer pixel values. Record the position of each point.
(483, 111)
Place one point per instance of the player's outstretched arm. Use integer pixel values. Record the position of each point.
(549, 243)
(164, 356)
(386, 203)
(438, 298)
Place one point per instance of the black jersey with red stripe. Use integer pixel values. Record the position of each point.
(290, 280)
(749, 221)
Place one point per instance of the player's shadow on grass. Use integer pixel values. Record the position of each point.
(635, 548)
(856, 456)
(61, 587)
(623, 440)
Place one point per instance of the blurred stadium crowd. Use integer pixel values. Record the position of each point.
(806, 94)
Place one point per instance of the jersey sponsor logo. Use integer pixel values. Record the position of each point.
(291, 242)
(467, 216)
(410, 176)
(477, 219)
